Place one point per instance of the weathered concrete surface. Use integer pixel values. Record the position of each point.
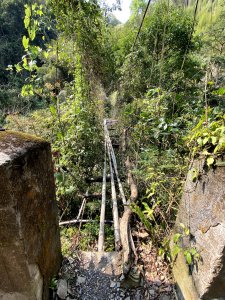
(29, 236)
(202, 209)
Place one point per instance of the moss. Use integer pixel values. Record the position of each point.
(19, 140)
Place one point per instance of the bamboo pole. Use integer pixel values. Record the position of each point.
(115, 165)
(81, 210)
(115, 207)
(78, 216)
(76, 221)
(101, 236)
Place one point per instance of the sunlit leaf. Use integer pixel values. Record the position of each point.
(25, 42)
(210, 161)
(188, 258)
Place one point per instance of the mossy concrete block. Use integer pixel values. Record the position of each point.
(202, 210)
(30, 252)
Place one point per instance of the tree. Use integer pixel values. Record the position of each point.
(161, 56)
(12, 30)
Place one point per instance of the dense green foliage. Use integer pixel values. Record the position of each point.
(11, 51)
(13, 30)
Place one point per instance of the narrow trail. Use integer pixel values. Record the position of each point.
(100, 275)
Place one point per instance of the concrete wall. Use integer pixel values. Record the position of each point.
(29, 234)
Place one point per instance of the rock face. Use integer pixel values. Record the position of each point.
(30, 252)
(202, 210)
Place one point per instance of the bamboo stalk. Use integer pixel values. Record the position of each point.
(115, 207)
(115, 166)
(80, 210)
(76, 221)
(101, 236)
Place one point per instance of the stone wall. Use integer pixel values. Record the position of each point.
(202, 210)
(30, 252)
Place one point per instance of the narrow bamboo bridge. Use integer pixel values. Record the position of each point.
(118, 199)
(113, 174)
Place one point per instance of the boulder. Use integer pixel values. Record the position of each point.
(202, 210)
(30, 252)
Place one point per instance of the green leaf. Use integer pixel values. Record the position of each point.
(193, 251)
(205, 140)
(32, 33)
(59, 135)
(188, 257)
(214, 140)
(187, 231)
(35, 50)
(40, 12)
(200, 141)
(205, 152)
(53, 110)
(46, 54)
(59, 176)
(175, 251)
(26, 22)
(220, 92)
(27, 90)
(34, 6)
(25, 64)
(18, 68)
(176, 237)
(25, 42)
(27, 16)
(27, 10)
(210, 161)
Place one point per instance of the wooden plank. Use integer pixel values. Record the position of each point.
(101, 236)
